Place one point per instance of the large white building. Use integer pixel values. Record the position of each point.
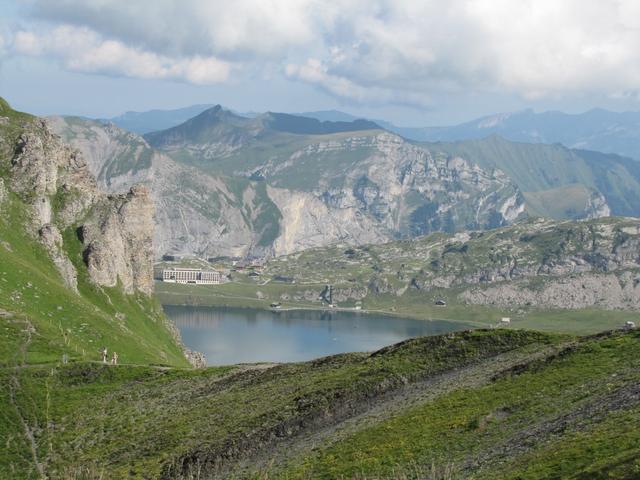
(191, 275)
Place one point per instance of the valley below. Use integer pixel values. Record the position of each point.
(421, 324)
(310, 240)
(580, 277)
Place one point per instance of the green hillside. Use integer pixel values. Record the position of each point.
(484, 404)
(33, 299)
(551, 172)
(489, 403)
(561, 202)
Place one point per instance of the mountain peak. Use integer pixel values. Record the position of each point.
(216, 110)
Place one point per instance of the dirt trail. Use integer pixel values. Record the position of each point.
(386, 406)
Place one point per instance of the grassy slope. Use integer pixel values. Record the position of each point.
(534, 167)
(32, 291)
(540, 168)
(518, 426)
(138, 422)
(41, 320)
(561, 202)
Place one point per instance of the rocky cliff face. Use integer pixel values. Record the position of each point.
(195, 213)
(612, 292)
(115, 230)
(119, 244)
(597, 206)
(384, 188)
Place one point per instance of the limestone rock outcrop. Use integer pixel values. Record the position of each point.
(611, 292)
(52, 240)
(116, 231)
(119, 246)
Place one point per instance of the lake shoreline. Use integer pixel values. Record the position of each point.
(574, 322)
(388, 313)
(233, 335)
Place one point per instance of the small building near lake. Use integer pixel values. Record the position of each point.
(191, 275)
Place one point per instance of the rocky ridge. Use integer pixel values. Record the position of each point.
(195, 213)
(389, 188)
(55, 182)
(536, 263)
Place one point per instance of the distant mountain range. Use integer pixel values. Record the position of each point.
(273, 184)
(598, 129)
(152, 120)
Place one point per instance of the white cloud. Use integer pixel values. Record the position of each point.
(238, 28)
(401, 51)
(533, 48)
(83, 50)
(316, 72)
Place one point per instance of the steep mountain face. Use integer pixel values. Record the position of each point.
(195, 213)
(76, 263)
(399, 188)
(115, 230)
(559, 182)
(359, 172)
(241, 192)
(536, 263)
(588, 183)
(274, 184)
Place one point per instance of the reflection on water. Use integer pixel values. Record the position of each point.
(239, 335)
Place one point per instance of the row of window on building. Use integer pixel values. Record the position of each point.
(191, 275)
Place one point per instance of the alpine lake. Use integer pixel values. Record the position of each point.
(242, 335)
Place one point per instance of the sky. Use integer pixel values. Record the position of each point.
(411, 62)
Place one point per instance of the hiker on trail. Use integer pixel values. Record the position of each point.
(114, 359)
(104, 355)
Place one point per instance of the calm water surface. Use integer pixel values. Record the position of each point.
(239, 335)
